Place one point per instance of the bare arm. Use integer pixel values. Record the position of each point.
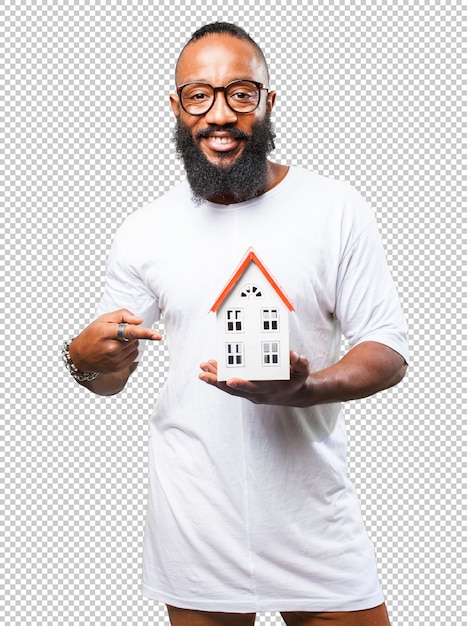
(366, 369)
(97, 349)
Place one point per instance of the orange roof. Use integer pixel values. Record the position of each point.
(251, 257)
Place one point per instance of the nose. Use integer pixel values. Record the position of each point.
(220, 113)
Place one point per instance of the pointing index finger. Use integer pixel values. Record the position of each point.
(133, 331)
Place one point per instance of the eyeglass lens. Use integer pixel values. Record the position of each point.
(242, 96)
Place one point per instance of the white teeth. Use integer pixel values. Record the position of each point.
(221, 139)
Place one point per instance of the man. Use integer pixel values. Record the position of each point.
(250, 508)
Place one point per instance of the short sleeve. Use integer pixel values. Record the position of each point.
(367, 303)
(125, 289)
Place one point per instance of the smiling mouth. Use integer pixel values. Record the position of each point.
(221, 143)
(221, 140)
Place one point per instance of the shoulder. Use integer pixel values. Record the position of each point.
(334, 200)
(332, 188)
(175, 199)
(166, 207)
(143, 229)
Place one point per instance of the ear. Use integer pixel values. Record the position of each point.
(271, 100)
(175, 104)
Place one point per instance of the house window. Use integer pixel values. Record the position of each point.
(234, 319)
(251, 291)
(270, 319)
(234, 354)
(270, 353)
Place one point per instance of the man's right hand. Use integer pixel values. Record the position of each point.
(98, 349)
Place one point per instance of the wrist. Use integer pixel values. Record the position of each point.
(308, 392)
(323, 387)
(77, 374)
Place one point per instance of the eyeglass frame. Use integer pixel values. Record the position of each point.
(259, 86)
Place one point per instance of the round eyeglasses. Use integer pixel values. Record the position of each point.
(242, 96)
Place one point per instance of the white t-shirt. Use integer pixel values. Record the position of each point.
(250, 507)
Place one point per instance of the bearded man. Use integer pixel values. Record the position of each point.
(250, 507)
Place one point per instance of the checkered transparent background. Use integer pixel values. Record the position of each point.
(369, 92)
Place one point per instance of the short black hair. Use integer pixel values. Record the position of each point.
(225, 28)
(222, 28)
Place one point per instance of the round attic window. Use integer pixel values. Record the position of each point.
(251, 291)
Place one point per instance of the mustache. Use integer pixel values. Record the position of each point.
(235, 133)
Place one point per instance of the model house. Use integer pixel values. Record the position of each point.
(252, 324)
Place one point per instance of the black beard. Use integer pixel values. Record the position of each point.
(243, 180)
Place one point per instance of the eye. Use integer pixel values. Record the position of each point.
(198, 96)
(196, 93)
(241, 94)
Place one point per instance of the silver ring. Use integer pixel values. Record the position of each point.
(121, 332)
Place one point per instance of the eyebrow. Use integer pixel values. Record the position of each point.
(201, 80)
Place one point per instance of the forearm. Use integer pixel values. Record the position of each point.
(366, 369)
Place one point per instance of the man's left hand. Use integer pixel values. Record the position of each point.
(291, 392)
